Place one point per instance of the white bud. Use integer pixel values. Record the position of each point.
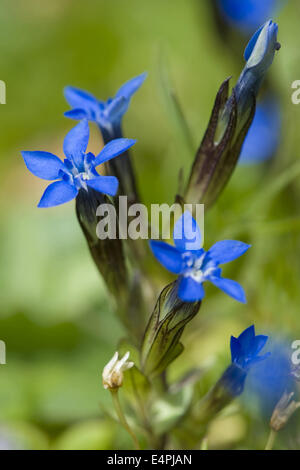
(112, 375)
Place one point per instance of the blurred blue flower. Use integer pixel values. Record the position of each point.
(264, 134)
(196, 266)
(107, 114)
(78, 170)
(246, 348)
(259, 55)
(247, 15)
(272, 377)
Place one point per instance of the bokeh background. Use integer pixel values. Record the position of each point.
(55, 315)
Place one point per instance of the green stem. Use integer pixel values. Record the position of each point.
(121, 416)
(271, 440)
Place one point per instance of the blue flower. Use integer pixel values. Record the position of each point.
(244, 354)
(263, 137)
(259, 55)
(247, 15)
(269, 379)
(107, 114)
(246, 348)
(196, 266)
(78, 170)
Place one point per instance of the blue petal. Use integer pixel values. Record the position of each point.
(227, 250)
(113, 149)
(235, 349)
(186, 233)
(190, 290)
(263, 50)
(57, 193)
(130, 87)
(77, 113)
(76, 142)
(256, 359)
(167, 255)
(246, 338)
(115, 110)
(104, 184)
(89, 159)
(258, 343)
(79, 98)
(44, 165)
(230, 287)
(252, 42)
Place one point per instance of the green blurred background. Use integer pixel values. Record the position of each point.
(56, 318)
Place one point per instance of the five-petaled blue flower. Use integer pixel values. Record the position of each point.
(247, 15)
(78, 170)
(107, 114)
(246, 348)
(195, 266)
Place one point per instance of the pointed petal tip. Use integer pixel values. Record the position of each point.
(42, 205)
(132, 142)
(248, 332)
(113, 149)
(227, 250)
(261, 340)
(57, 193)
(66, 89)
(242, 298)
(143, 75)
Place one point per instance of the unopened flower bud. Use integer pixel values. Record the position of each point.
(284, 409)
(259, 55)
(230, 121)
(112, 375)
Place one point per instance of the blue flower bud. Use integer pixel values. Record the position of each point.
(161, 343)
(230, 121)
(259, 55)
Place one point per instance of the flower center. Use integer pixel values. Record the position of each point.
(197, 266)
(79, 175)
(192, 266)
(84, 176)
